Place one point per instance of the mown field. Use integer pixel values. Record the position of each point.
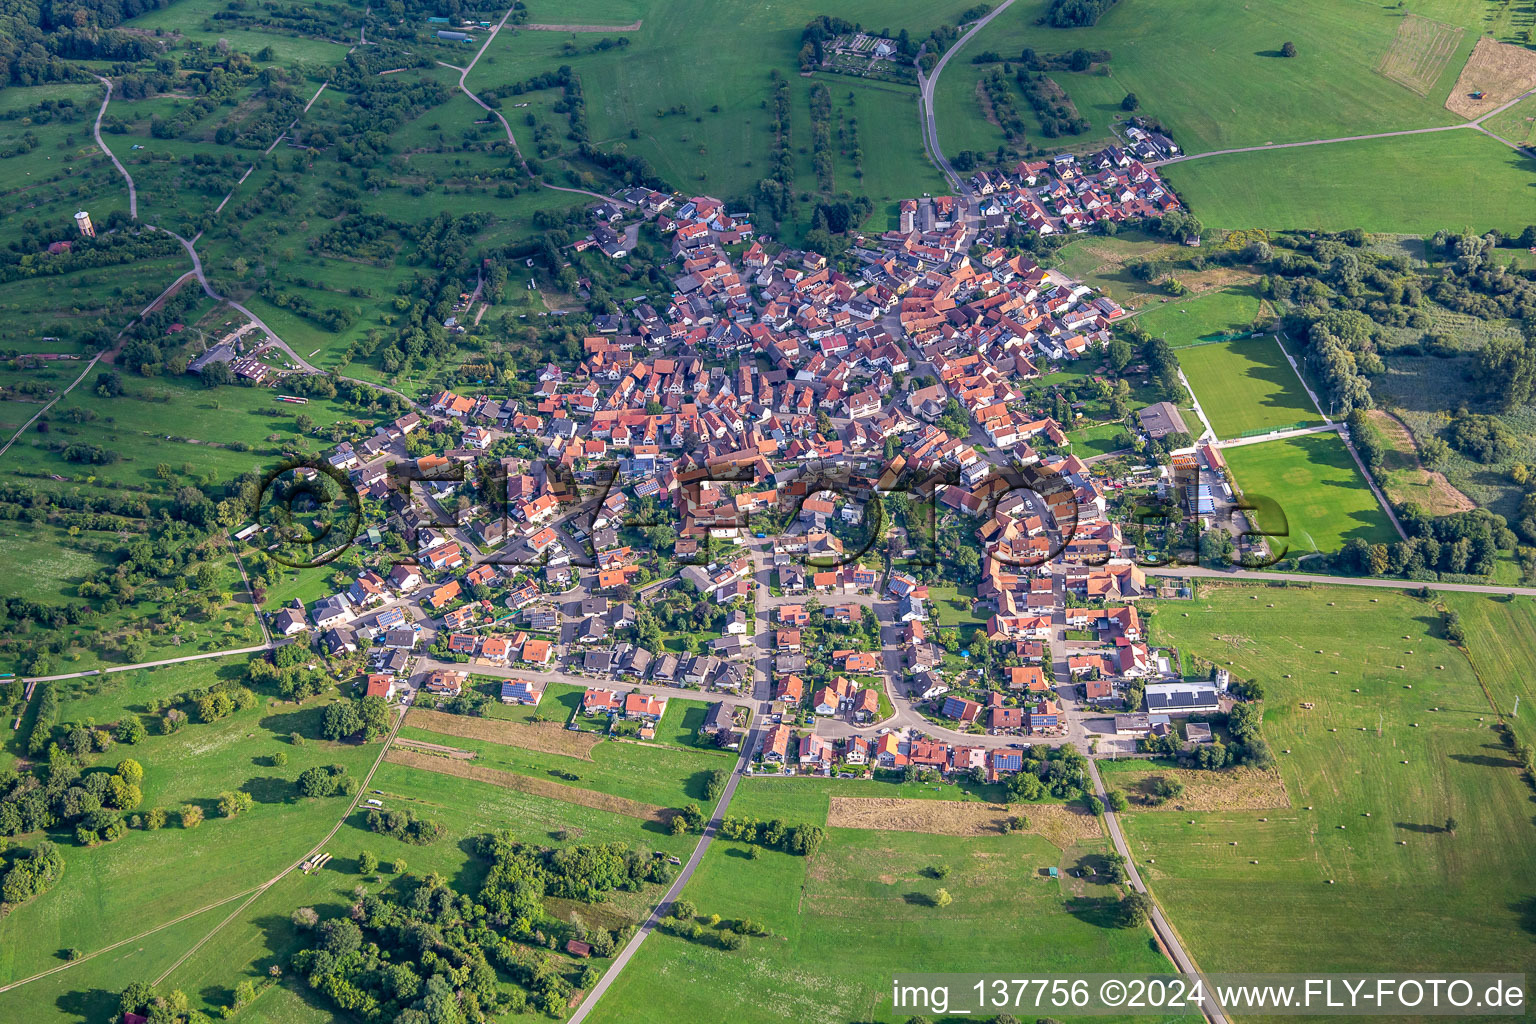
(1414, 184)
(1399, 741)
(1246, 385)
(1317, 486)
(859, 910)
(1225, 85)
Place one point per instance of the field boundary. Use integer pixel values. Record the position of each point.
(444, 765)
(1059, 824)
(545, 737)
(632, 27)
(1419, 53)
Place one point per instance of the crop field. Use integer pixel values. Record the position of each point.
(824, 958)
(1227, 85)
(1246, 385)
(1317, 486)
(1373, 772)
(1188, 321)
(1415, 184)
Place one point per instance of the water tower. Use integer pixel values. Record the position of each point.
(83, 222)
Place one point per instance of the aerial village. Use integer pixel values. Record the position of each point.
(739, 492)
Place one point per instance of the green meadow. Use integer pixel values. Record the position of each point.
(150, 877)
(1188, 321)
(1414, 184)
(847, 918)
(1397, 742)
(1225, 85)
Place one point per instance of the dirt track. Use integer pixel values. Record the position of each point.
(635, 27)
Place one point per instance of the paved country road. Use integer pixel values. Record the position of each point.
(1165, 933)
(748, 745)
(926, 88)
(1261, 576)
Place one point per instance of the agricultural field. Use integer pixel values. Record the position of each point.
(652, 775)
(1316, 484)
(1398, 742)
(1227, 85)
(1246, 386)
(826, 960)
(1416, 184)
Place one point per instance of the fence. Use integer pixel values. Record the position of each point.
(1260, 431)
(1219, 338)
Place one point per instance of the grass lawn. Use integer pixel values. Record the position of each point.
(1415, 184)
(1246, 385)
(1408, 895)
(1182, 322)
(679, 726)
(952, 606)
(844, 920)
(1317, 486)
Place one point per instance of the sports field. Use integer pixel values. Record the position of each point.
(1318, 487)
(1246, 385)
(1415, 184)
(1187, 321)
(1398, 741)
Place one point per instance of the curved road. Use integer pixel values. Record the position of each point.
(133, 195)
(925, 97)
(512, 139)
